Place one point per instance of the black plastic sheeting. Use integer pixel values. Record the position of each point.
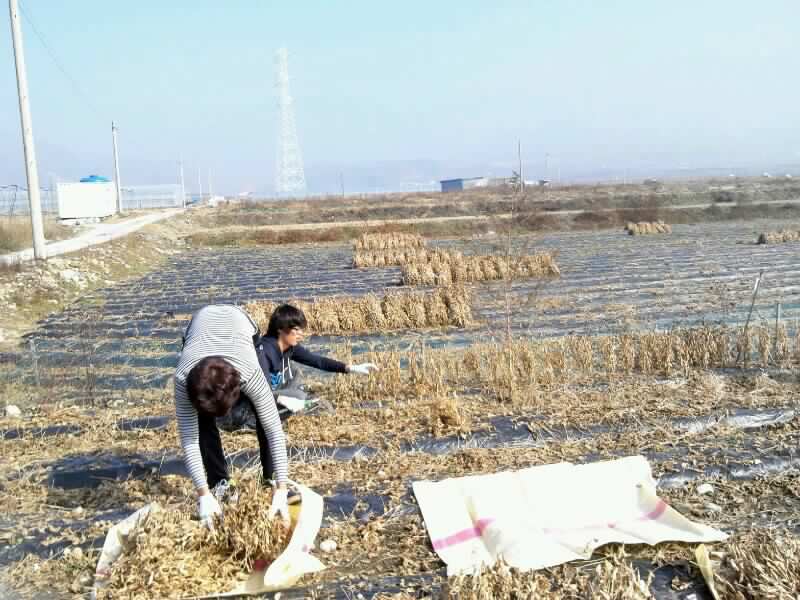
(154, 423)
(89, 470)
(52, 431)
(503, 431)
(36, 541)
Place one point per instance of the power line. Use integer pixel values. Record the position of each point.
(75, 86)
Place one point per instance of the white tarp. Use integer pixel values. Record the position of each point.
(545, 516)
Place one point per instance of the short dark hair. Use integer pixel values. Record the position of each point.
(285, 317)
(213, 386)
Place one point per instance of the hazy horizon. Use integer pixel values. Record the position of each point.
(397, 97)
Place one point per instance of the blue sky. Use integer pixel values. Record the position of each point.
(392, 93)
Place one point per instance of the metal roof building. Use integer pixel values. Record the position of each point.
(463, 183)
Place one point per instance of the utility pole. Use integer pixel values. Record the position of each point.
(31, 171)
(521, 174)
(117, 184)
(341, 182)
(200, 183)
(183, 183)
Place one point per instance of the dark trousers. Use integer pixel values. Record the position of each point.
(211, 445)
(214, 457)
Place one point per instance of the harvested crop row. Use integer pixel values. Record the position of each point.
(469, 269)
(331, 315)
(644, 228)
(402, 256)
(511, 372)
(779, 237)
(388, 241)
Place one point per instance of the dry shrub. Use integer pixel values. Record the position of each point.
(612, 579)
(374, 319)
(627, 353)
(710, 385)
(782, 350)
(436, 310)
(412, 275)
(415, 309)
(779, 237)
(322, 313)
(387, 241)
(580, 347)
(608, 353)
(761, 564)
(333, 315)
(446, 417)
(171, 555)
(394, 309)
(458, 302)
(645, 228)
(763, 344)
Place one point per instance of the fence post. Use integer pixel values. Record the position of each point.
(749, 314)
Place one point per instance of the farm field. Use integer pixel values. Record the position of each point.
(639, 346)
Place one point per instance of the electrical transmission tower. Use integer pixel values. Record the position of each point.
(290, 180)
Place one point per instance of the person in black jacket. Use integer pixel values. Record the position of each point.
(281, 345)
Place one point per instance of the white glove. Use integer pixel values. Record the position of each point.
(207, 507)
(363, 368)
(280, 505)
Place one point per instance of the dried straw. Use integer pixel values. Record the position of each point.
(612, 579)
(645, 228)
(332, 315)
(402, 256)
(388, 241)
(762, 564)
(779, 237)
(170, 555)
(447, 268)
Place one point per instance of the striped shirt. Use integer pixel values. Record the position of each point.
(227, 332)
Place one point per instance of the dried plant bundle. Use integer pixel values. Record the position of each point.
(388, 241)
(452, 268)
(779, 237)
(645, 228)
(402, 256)
(333, 315)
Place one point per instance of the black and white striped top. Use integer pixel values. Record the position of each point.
(225, 331)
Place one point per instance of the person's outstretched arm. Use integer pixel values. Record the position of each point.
(323, 363)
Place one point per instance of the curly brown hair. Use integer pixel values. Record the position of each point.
(213, 386)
